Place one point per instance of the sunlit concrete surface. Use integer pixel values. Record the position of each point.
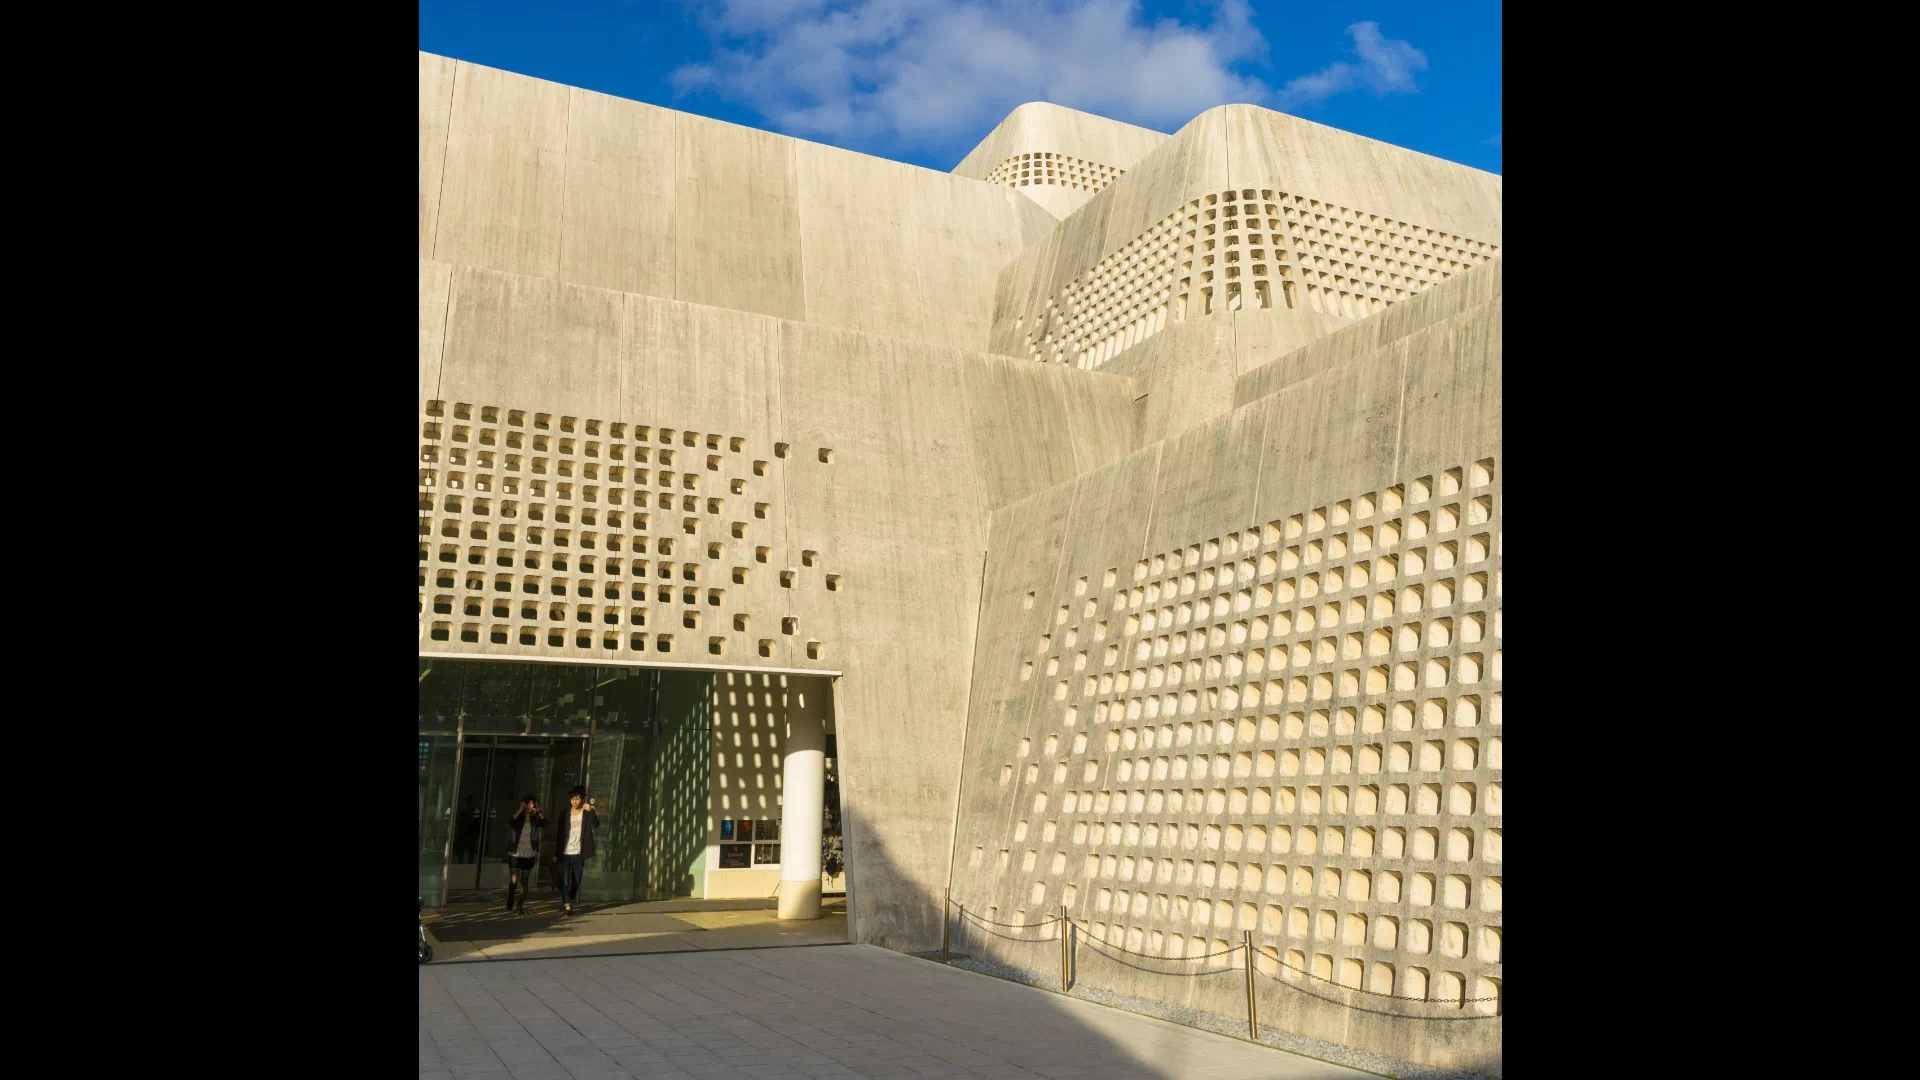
(615, 929)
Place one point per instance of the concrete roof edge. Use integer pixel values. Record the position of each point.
(705, 119)
(1248, 107)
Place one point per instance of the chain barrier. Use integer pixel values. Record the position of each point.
(1018, 926)
(1207, 956)
(1371, 993)
(1099, 943)
(1308, 992)
(985, 927)
(1095, 944)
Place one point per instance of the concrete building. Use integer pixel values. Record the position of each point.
(1109, 525)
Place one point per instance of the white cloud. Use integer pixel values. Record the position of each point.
(1495, 140)
(1385, 67)
(936, 74)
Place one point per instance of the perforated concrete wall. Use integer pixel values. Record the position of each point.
(828, 515)
(603, 537)
(1046, 168)
(1057, 157)
(1249, 679)
(1247, 216)
(1255, 249)
(1218, 623)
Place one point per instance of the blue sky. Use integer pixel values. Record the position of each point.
(923, 80)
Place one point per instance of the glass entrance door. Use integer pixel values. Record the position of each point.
(497, 772)
(511, 776)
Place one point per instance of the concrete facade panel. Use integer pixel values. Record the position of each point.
(1035, 222)
(860, 251)
(1020, 428)
(702, 368)
(959, 244)
(436, 283)
(617, 228)
(436, 108)
(502, 191)
(521, 338)
(1187, 377)
(737, 219)
(1100, 419)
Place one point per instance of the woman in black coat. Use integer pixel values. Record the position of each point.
(523, 848)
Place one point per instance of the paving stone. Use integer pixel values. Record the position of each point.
(847, 1011)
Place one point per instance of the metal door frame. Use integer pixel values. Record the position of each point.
(459, 770)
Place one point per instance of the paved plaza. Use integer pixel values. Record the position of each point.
(835, 1010)
(479, 932)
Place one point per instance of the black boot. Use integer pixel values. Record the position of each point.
(510, 892)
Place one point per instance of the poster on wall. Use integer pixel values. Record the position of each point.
(734, 856)
(766, 853)
(767, 830)
(726, 828)
(743, 830)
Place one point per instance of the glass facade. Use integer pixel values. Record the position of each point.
(438, 752)
(492, 732)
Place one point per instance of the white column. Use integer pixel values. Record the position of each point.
(802, 804)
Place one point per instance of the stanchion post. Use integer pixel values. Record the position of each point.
(946, 919)
(1253, 1013)
(1066, 947)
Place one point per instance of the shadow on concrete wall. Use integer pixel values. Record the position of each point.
(1033, 957)
(677, 779)
(649, 777)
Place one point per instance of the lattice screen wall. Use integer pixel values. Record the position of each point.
(1243, 250)
(562, 534)
(1077, 174)
(1293, 729)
